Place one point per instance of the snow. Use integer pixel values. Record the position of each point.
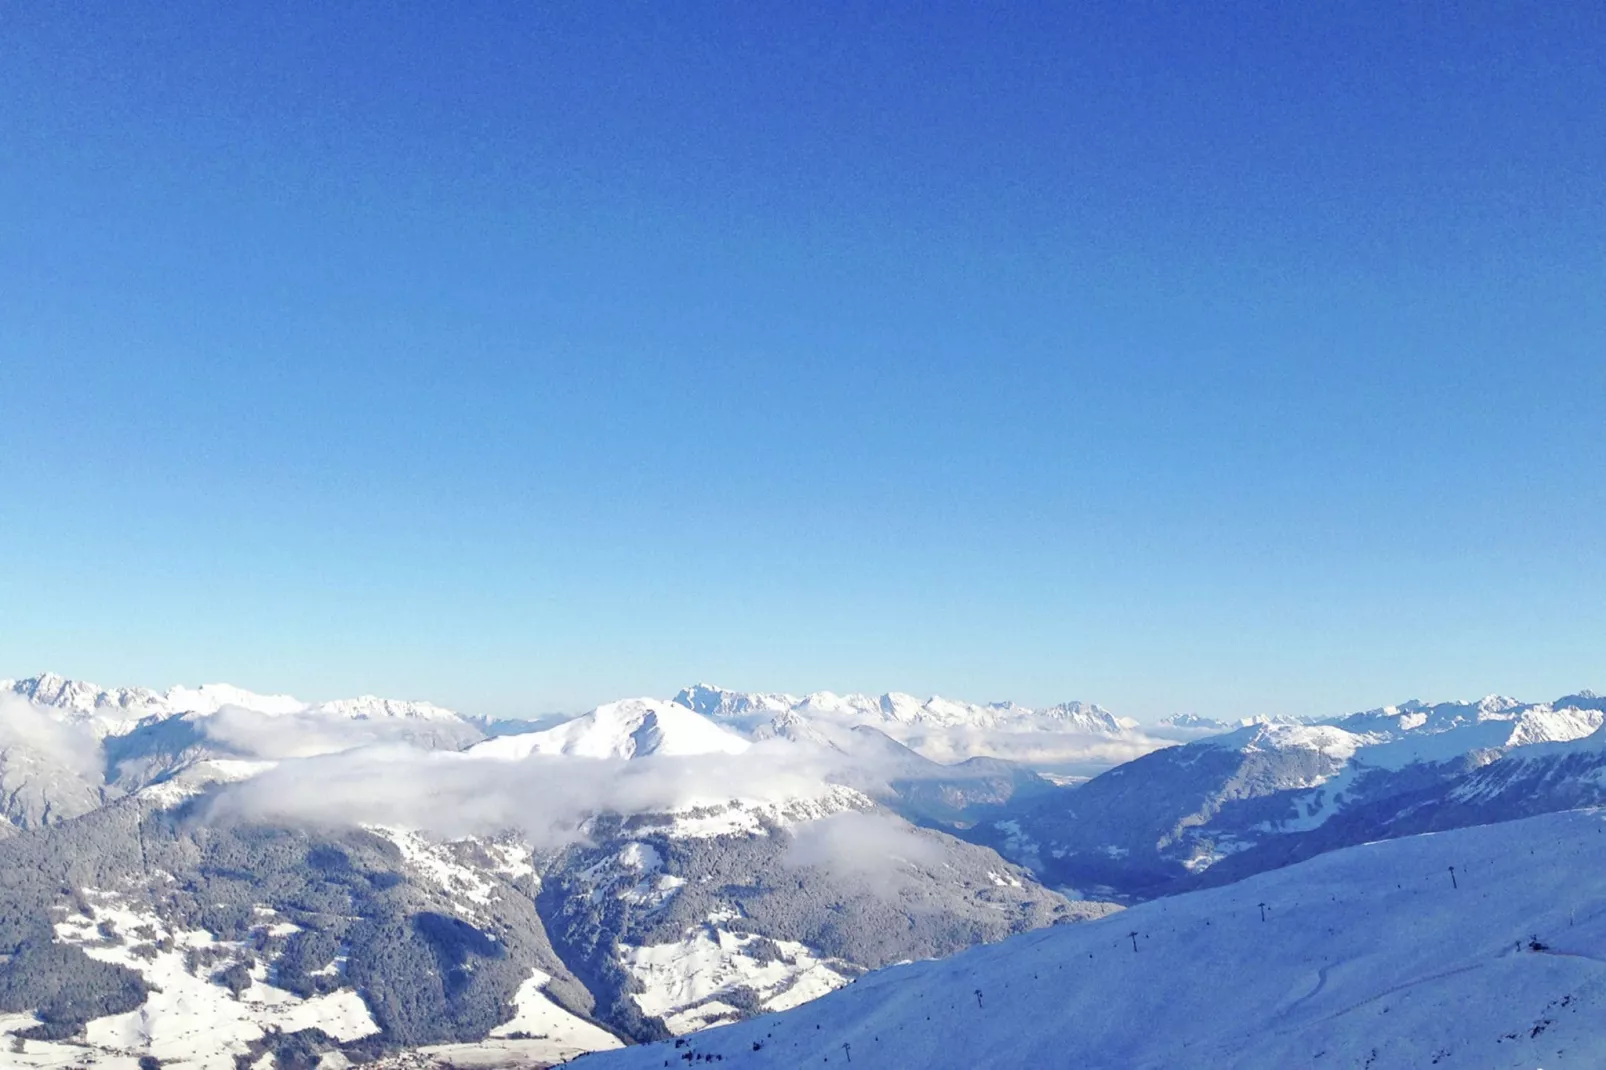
(511, 858)
(1335, 743)
(1548, 725)
(55, 1055)
(540, 1033)
(103, 713)
(942, 729)
(897, 708)
(108, 712)
(434, 864)
(371, 708)
(684, 980)
(1531, 728)
(194, 778)
(187, 1020)
(1366, 957)
(642, 857)
(536, 1014)
(752, 817)
(630, 728)
(210, 698)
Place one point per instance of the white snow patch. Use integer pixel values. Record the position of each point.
(540, 1033)
(753, 817)
(683, 980)
(435, 863)
(187, 1020)
(535, 1013)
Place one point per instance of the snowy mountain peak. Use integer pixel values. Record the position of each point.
(1582, 700)
(103, 712)
(722, 704)
(51, 689)
(1198, 723)
(1330, 741)
(630, 728)
(209, 698)
(1495, 705)
(373, 708)
(1554, 724)
(1084, 716)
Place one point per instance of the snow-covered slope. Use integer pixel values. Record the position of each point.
(1378, 956)
(541, 1033)
(631, 728)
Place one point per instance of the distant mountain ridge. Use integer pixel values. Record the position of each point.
(896, 707)
(1256, 796)
(116, 711)
(1072, 736)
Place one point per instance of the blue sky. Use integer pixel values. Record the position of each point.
(522, 356)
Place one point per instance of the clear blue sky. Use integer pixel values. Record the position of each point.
(1231, 358)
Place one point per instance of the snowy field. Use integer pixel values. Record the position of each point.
(1373, 957)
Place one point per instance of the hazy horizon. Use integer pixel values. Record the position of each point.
(537, 711)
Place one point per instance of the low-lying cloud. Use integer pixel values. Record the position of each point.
(33, 731)
(546, 798)
(310, 733)
(877, 849)
(1065, 751)
(370, 773)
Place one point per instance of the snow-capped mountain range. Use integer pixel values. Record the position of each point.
(1074, 737)
(638, 870)
(386, 879)
(1239, 801)
(117, 711)
(748, 709)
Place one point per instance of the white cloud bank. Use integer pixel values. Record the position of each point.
(546, 798)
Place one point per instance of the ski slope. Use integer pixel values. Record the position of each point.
(1371, 957)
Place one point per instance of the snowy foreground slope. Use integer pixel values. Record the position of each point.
(1374, 956)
